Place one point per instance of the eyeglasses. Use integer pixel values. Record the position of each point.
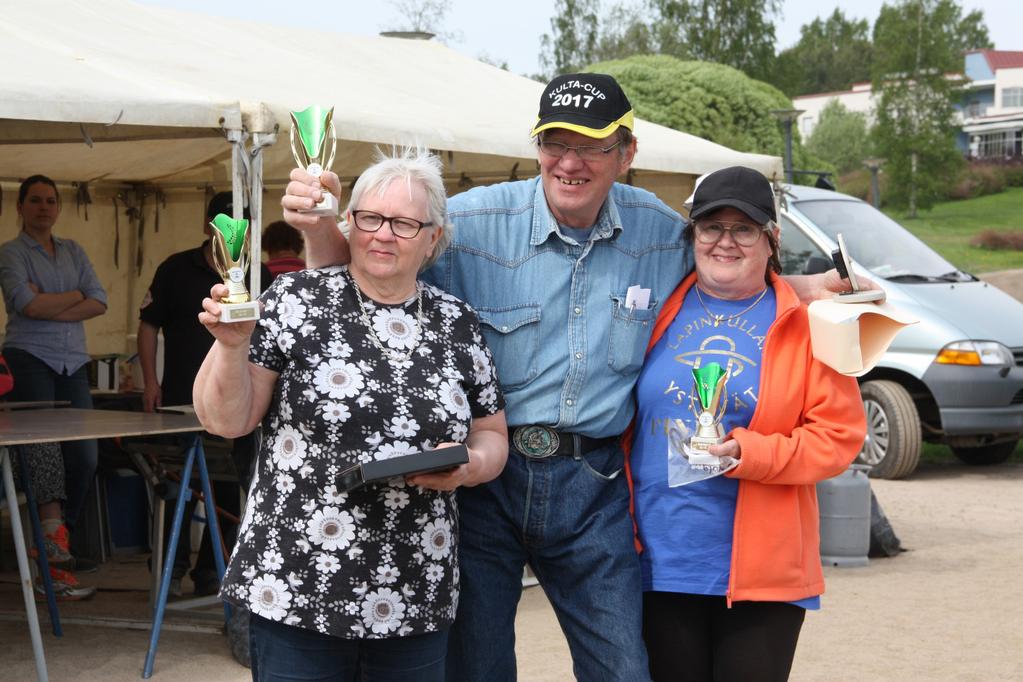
(586, 152)
(742, 234)
(406, 228)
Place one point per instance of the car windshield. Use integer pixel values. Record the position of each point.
(877, 242)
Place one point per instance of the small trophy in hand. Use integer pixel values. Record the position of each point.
(313, 144)
(231, 258)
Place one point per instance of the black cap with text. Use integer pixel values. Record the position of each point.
(589, 103)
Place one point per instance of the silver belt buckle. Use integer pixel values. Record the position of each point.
(535, 441)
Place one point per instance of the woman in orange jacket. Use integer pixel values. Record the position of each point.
(731, 563)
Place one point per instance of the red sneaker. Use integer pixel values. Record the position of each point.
(58, 552)
(65, 587)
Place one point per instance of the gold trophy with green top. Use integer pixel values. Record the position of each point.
(709, 393)
(313, 144)
(231, 258)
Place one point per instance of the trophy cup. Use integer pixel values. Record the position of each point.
(709, 391)
(231, 256)
(314, 149)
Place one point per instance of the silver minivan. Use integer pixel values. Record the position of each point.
(957, 376)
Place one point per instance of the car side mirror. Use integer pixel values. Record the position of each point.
(815, 265)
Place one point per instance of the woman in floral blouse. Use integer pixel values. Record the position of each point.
(349, 364)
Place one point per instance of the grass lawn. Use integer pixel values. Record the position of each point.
(948, 228)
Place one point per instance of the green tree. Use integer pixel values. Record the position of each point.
(575, 34)
(711, 101)
(831, 54)
(917, 44)
(738, 33)
(840, 137)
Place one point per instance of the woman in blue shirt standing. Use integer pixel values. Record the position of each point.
(50, 288)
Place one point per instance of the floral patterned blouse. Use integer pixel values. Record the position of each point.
(382, 560)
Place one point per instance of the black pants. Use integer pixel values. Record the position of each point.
(697, 638)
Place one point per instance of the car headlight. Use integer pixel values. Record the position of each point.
(974, 353)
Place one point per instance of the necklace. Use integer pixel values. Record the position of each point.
(718, 319)
(390, 352)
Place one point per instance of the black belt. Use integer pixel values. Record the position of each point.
(539, 442)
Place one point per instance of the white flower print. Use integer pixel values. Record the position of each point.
(396, 328)
(338, 349)
(327, 563)
(459, 432)
(435, 539)
(291, 311)
(452, 397)
(396, 449)
(404, 427)
(338, 379)
(331, 528)
(272, 560)
(396, 498)
(284, 483)
(335, 412)
(289, 449)
(386, 574)
(285, 341)
(480, 365)
(383, 610)
(488, 396)
(269, 597)
(434, 572)
(449, 310)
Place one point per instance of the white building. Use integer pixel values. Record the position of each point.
(858, 98)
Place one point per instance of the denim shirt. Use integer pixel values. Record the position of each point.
(568, 350)
(61, 345)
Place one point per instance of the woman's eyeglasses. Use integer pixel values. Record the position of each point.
(743, 234)
(371, 221)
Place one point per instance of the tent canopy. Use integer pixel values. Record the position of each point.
(109, 89)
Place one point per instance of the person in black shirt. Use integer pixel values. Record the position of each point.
(172, 305)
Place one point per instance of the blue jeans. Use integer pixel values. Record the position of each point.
(569, 519)
(34, 380)
(281, 653)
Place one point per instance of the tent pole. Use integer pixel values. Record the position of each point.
(259, 140)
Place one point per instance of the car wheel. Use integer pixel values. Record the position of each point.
(986, 454)
(892, 445)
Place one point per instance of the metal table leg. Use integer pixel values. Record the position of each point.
(37, 537)
(211, 520)
(165, 578)
(23, 570)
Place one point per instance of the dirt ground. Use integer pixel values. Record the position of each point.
(950, 608)
(1009, 281)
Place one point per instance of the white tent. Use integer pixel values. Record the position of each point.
(114, 94)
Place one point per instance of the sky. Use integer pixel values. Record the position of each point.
(509, 30)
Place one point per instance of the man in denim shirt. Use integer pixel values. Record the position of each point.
(567, 272)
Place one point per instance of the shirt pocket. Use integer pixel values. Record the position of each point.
(513, 335)
(630, 333)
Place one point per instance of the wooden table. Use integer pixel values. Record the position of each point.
(64, 424)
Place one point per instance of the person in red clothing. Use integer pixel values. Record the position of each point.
(731, 563)
(282, 244)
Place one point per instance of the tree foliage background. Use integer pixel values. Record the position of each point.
(840, 137)
(712, 101)
(917, 45)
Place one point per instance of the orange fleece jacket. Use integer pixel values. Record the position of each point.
(808, 425)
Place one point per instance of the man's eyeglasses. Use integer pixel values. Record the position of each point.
(743, 234)
(371, 221)
(586, 152)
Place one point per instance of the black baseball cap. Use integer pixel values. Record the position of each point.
(589, 103)
(222, 202)
(736, 187)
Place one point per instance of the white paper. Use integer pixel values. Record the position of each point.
(851, 337)
(637, 298)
